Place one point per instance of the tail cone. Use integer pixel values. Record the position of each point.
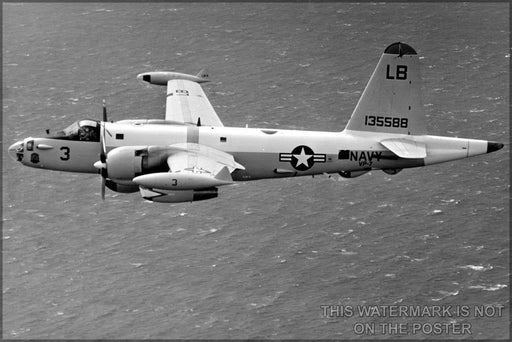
(493, 146)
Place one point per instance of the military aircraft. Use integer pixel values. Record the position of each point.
(190, 153)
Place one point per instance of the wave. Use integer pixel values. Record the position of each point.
(488, 288)
(476, 267)
(445, 294)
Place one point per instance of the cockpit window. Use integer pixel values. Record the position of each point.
(84, 130)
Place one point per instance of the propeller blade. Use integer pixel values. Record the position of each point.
(103, 130)
(103, 153)
(103, 181)
(104, 111)
(102, 164)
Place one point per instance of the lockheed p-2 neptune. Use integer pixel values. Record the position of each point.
(190, 153)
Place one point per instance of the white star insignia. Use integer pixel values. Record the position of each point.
(302, 158)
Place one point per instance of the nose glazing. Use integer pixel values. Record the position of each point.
(16, 151)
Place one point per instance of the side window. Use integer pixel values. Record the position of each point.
(30, 145)
(88, 133)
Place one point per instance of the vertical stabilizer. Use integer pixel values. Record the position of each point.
(391, 101)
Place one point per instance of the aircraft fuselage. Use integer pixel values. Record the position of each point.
(265, 153)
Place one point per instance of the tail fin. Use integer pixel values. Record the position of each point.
(391, 101)
(203, 75)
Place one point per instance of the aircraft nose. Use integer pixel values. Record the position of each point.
(16, 150)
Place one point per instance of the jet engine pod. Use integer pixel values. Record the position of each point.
(179, 180)
(177, 196)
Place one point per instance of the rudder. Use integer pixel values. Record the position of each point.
(391, 101)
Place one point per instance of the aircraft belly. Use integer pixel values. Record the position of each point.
(259, 165)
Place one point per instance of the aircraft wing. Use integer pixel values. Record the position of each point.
(191, 167)
(191, 155)
(187, 102)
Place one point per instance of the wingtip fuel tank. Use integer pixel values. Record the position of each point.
(162, 77)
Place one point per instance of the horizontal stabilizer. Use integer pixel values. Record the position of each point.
(405, 148)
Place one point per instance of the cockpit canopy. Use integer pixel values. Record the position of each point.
(83, 130)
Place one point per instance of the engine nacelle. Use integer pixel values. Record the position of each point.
(123, 188)
(352, 174)
(177, 196)
(127, 162)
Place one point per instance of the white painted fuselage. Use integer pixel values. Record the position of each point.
(265, 153)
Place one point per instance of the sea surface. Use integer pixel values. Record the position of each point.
(287, 258)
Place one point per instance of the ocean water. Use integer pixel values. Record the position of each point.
(265, 258)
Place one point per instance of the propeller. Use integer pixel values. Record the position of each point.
(102, 163)
(103, 153)
(104, 111)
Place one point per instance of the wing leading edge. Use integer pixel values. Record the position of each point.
(186, 102)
